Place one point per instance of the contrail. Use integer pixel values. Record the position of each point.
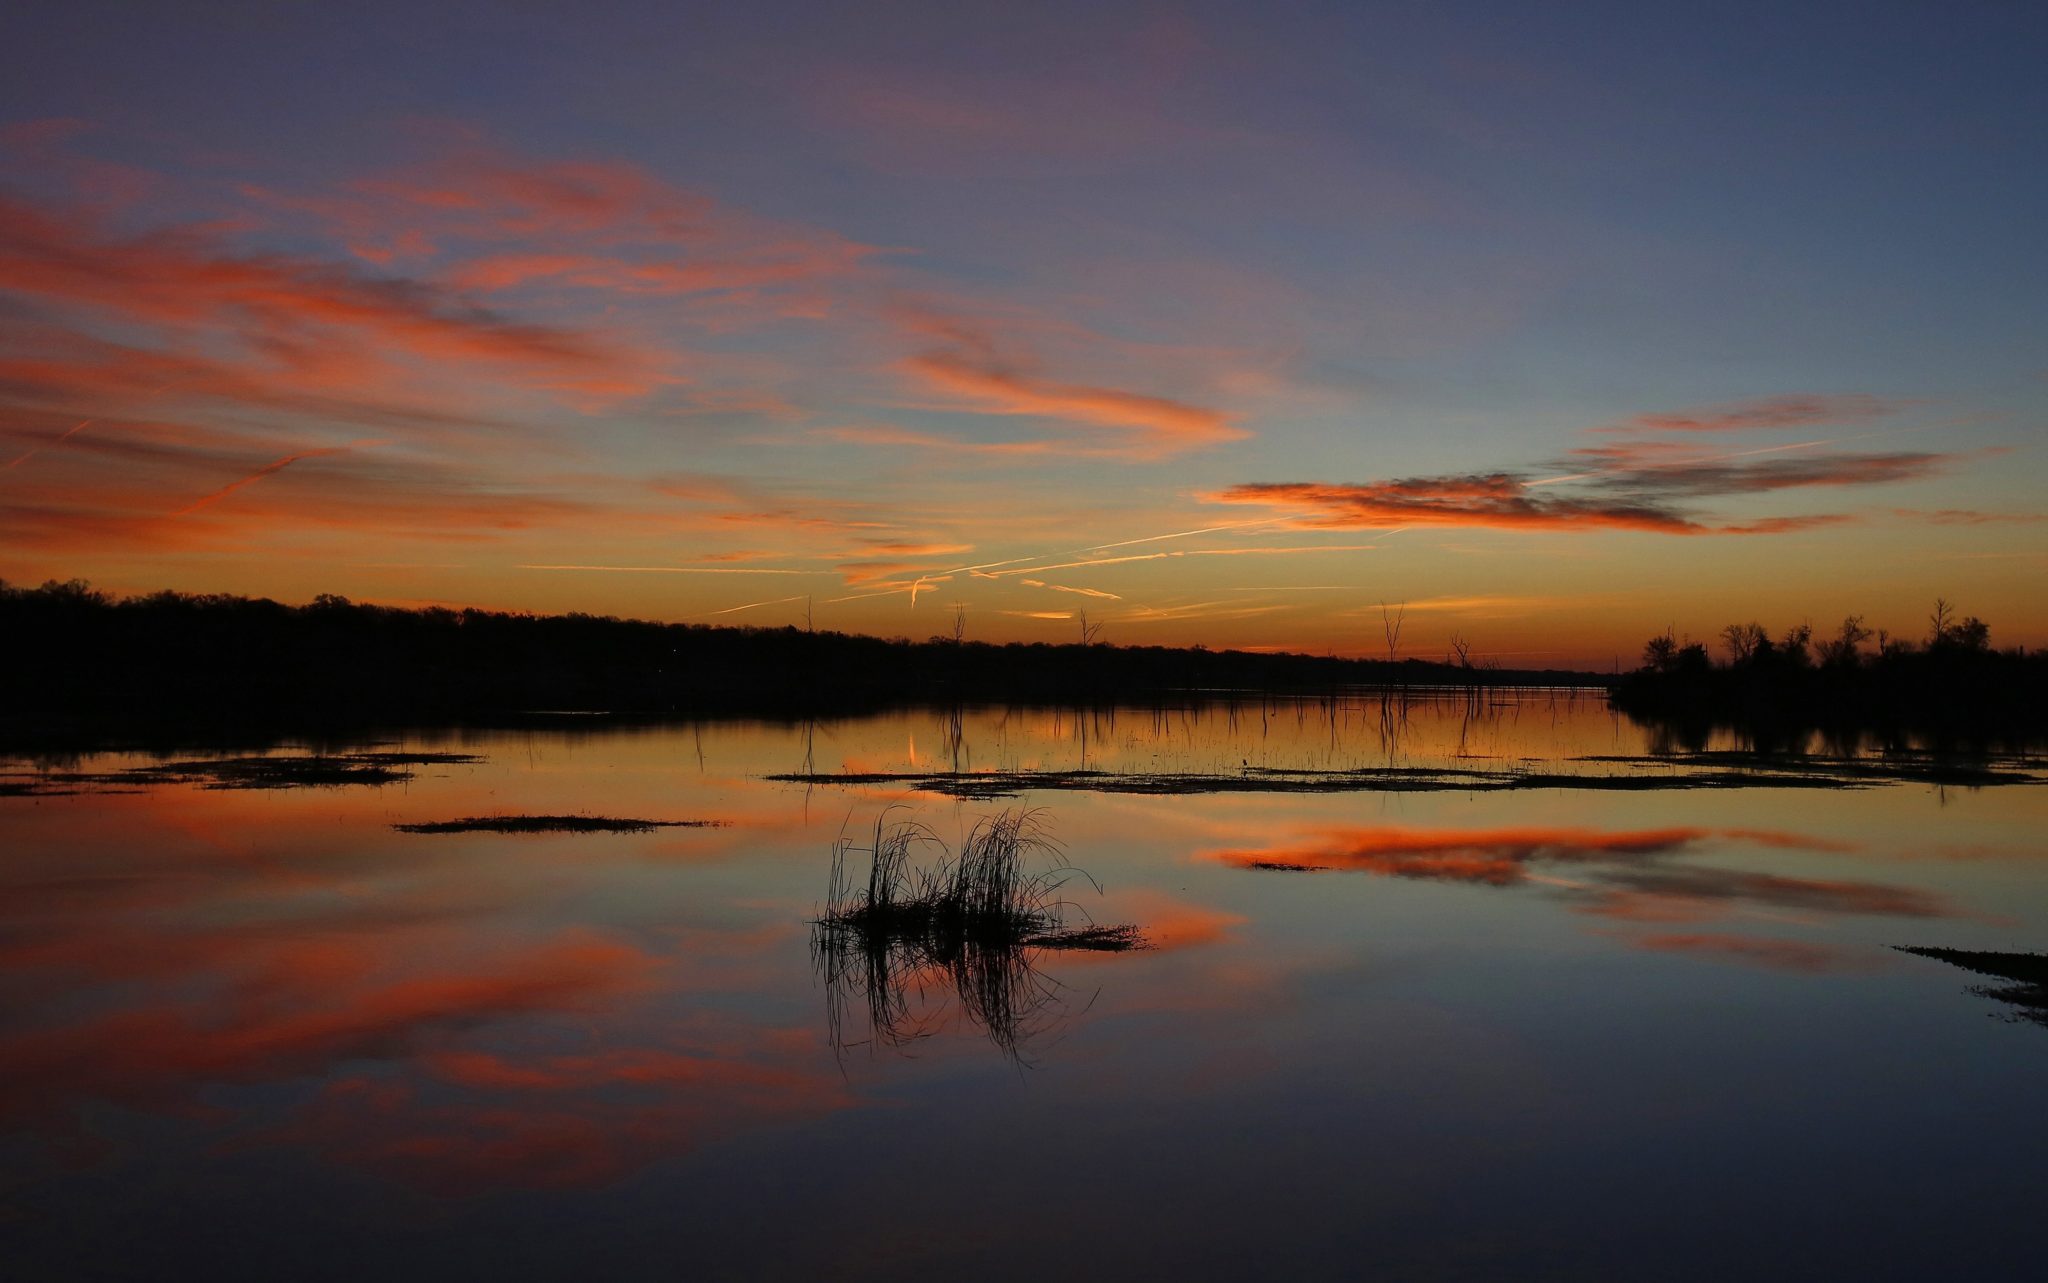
(1191, 552)
(1183, 534)
(978, 570)
(59, 439)
(733, 610)
(258, 475)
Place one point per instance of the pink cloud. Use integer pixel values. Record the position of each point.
(970, 365)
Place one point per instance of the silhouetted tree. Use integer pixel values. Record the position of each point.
(1742, 640)
(1660, 653)
(1841, 651)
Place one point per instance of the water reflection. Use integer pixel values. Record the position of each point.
(530, 1046)
(2028, 973)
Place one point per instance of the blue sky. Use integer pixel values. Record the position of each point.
(1736, 309)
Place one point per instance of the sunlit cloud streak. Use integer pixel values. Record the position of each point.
(1495, 500)
(1635, 500)
(968, 364)
(513, 221)
(187, 277)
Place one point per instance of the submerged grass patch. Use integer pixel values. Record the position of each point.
(553, 824)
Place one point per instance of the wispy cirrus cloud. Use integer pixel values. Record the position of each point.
(187, 279)
(457, 307)
(1500, 500)
(489, 220)
(969, 364)
(1654, 479)
(1714, 476)
(1628, 493)
(1968, 516)
(1798, 410)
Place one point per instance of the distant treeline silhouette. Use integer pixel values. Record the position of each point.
(1950, 684)
(82, 653)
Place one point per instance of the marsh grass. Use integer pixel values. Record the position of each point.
(969, 924)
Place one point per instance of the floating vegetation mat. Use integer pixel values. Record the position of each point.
(282, 771)
(1693, 771)
(554, 824)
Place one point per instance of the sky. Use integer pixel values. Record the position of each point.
(1543, 327)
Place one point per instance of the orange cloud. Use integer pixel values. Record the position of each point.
(969, 364)
(1500, 501)
(1624, 493)
(185, 277)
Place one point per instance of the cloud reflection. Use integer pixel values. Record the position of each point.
(1632, 875)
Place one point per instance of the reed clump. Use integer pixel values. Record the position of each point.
(968, 924)
(987, 895)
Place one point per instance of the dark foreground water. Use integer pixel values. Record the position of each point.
(1434, 992)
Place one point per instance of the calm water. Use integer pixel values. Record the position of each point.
(1547, 1032)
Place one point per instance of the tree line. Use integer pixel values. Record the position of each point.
(186, 656)
(1948, 680)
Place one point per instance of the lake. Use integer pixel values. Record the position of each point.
(1435, 987)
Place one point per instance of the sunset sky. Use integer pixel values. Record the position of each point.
(1224, 323)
